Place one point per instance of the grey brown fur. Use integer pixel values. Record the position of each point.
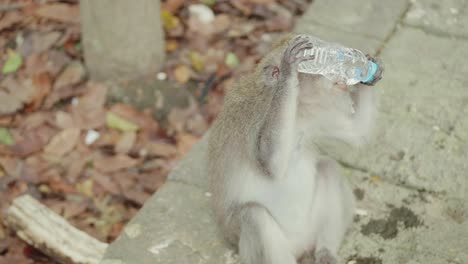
(276, 197)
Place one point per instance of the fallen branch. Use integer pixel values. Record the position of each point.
(54, 236)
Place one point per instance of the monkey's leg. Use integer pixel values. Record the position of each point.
(277, 138)
(335, 207)
(261, 239)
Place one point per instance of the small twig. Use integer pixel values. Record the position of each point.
(208, 86)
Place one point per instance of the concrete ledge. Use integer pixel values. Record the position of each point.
(175, 225)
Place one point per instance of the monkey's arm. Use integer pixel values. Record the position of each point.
(277, 136)
(365, 100)
(365, 105)
(359, 126)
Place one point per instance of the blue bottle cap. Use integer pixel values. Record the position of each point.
(373, 68)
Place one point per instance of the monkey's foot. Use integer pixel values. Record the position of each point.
(323, 256)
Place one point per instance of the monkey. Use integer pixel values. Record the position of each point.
(276, 196)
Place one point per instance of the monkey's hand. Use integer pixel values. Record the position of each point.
(294, 54)
(379, 74)
(290, 59)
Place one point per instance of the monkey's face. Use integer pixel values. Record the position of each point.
(319, 97)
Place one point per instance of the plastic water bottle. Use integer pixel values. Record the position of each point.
(338, 63)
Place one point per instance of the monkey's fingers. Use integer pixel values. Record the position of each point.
(295, 53)
(297, 42)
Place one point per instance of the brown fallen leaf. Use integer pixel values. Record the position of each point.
(137, 196)
(42, 84)
(63, 94)
(116, 230)
(45, 41)
(108, 164)
(75, 164)
(159, 149)
(126, 180)
(68, 209)
(73, 74)
(13, 94)
(279, 23)
(19, 170)
(171, 45)
(85, 187)
(126, 142)
(63, 142)
(178, 117)
(32, 141)
(105, 181)
(197, 29)
(88, 112)
(37, 42)
(222, 23)
(35, 119)
(262, 2)
(51, 61)
(64, 120)
(107, 138)
(60, 12)
(58, 185)
(197, 125)
(156, 164)
(9, 166)
(38, 165)
(241, 29)
(182, 74)
(6, 120)
(213, 106)
(56, 61)
(129, 113)
(4, 243)
(152, 181)
(242, 5)
(17, 258)
(34, 64)
(172, 6)
(10, 19)
(72, 48)
(185, 142)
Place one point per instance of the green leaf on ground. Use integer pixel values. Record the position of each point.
(170, 21)
(13, 62)
(116, 122)
(197, 61)
(231, 60)
(5, 137)
(209, 2)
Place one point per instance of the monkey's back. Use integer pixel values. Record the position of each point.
(232, 139)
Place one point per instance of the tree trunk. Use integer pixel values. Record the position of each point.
(122, 39)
